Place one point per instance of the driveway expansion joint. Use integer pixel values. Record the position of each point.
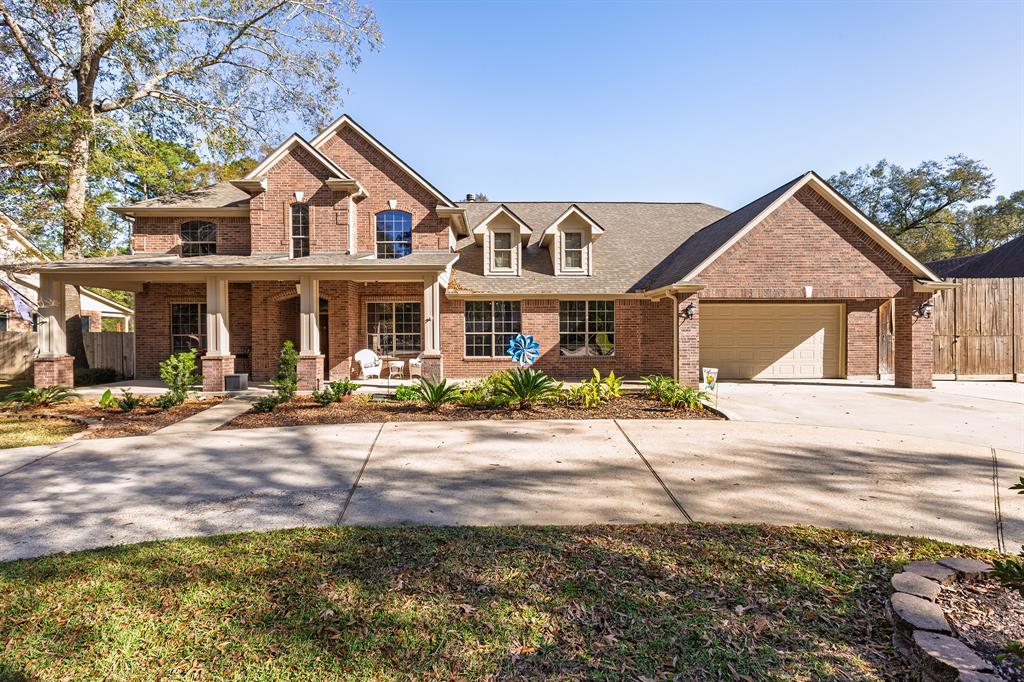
(664, 486)
(355, 483)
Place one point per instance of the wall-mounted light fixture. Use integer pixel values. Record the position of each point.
(689, 311)
(925, 309)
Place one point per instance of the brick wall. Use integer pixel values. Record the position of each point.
(862, 339)
(270, 211)
(914, 343)
(384, 180)
(163, 235)
(689, 341)
(643, 341)
(805, 242)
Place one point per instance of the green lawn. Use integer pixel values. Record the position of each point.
(578, 603)
(16, 433)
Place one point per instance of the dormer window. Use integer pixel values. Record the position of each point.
(300, 230)
(572, 250)
(198, 238)
(394, 234)
(501, 251)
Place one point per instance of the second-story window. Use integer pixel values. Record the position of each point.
(502, 251)
(198, 238)
(394, 234)
(573, 249)
(300, 230)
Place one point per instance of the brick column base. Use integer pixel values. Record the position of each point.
(214, 369)
(433, 366)
(914, 343)
(689, 340)
(56, 371)
(311, 372)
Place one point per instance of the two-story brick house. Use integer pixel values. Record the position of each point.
(339, 245)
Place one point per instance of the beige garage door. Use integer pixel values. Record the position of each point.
(772, 340)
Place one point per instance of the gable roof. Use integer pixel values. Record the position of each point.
(524, 230)
(1006, 260)
(295, 140)
(703, 248)
(574, 209)
(637, 237)
(346, 120)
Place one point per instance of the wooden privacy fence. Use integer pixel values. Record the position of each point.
(16, 351)
(112, 350)
(979, 329)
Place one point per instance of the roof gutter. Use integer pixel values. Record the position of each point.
(924, 286)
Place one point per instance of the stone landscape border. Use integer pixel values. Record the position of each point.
(922, 633)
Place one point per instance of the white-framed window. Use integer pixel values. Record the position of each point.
(586, 328)
(490, 325)
(572, 250)
(300, 230)
(198, 238)
(394, 327)
(502, 246)
(394, 234)
(188, 327)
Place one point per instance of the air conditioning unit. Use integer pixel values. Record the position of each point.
(236, 382)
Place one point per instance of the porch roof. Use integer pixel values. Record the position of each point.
(145, 266)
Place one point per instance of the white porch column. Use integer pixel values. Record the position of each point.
(431, 315)
(309, 316)
(218, 339)
(52, 334)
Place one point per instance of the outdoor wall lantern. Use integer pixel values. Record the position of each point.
(926, 309)
(689, 311)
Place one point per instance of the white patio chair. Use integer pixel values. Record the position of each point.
(369, 363)
(416, 367)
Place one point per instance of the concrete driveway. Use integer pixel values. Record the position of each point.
(974, 412)
(103, 492)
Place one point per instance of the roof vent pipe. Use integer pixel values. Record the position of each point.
(470, 197)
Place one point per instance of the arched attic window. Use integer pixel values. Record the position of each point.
(198, 238)
(394, 234)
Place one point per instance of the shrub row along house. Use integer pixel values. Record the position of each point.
(337, 244)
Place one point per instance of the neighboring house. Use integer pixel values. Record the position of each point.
(338, 244)
(1006, 260)
(15, 247)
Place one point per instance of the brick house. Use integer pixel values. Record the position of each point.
(339, 245)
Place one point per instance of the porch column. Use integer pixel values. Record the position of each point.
(218, 360)
(431, 357)
(687, 338)
(914, 343)
(53, 367)
(311, 363)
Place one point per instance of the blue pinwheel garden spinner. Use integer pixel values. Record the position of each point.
(523, 350)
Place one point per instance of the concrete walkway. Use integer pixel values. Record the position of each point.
(211, 418)
(102, 492)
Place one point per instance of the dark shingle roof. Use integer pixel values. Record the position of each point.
(219, 195)
(637, 237)
(1003, 261)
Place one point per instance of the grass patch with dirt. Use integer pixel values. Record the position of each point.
(113, 423)
(572, 603)
(18, 433)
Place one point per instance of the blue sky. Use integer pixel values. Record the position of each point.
(715, 102)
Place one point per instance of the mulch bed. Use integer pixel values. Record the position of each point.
(301, 412)
(987, 617)
(116, 424)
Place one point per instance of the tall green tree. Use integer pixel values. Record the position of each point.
(933, 209)
(192, 69)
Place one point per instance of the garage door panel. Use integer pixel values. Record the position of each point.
(782, 341)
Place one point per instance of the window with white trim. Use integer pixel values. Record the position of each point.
(394, 327)
(198, 238)
(188, 327)
(489, 327)
(300, 230)
(502, 245)
(394, 234)
(586, 328)
(572, 250)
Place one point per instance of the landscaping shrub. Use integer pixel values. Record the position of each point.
(406, 393)
(179, 373)
(472, 393)
(324, 397)
(39, 397)
(527, 386)
(595, 391)
(266, 404)
(287, 380)
(1010, 572)
(107, 400)
(90, 376)
(670, 392)
(342, 388)
(166, 401)
(128, 401)
(658, 385)
(435, 393)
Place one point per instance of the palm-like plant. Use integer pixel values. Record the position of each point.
(435, 393)
(40, 397)
(528, 386)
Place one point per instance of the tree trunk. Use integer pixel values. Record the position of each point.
(74, 222)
